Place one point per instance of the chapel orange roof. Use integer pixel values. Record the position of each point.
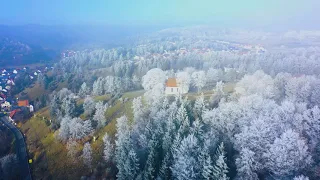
(171, 82)
(23, 103)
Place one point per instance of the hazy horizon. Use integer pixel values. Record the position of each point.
(271, 14)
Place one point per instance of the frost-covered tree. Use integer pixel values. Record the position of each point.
(299, 88)
(88, 106)
(64, 131)
(220, 168)
(218, 94)
(184, 81)
(137, 108)
(246, 165)
(288, 154)
(308, 122)
(152, 78)
(54, 106)
(99, 116)
(73, 149)
(79, 128)
(199, 79)
(131, 166)
(84, 90)
(10, 166)
(113, 85)
(230, 75)
(301, 177)
(280, 82)
(63, 93)
(315, 92)
(263, 85)
(185, 164)
(69, 106)
(156, 95)
(126, 158)
(108, 148)
(149, 168)
(87, 155)
(199, 105)
(74, 128)
(98, 88)
(207, 165)
(182, 119)
(214, 75)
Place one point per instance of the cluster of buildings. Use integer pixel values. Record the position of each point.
(233, 47)
(15, 108)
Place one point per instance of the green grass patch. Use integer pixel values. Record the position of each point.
(49, 154)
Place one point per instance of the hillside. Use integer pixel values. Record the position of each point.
(13, 53)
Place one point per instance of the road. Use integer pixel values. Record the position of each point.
(21, 148)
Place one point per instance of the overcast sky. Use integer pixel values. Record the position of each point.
(297, 14)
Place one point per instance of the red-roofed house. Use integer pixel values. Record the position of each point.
(12, 113)
(23, 103)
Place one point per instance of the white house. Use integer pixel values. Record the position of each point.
(172, 87)
(31, 108)
(10, 82)
(15, 72)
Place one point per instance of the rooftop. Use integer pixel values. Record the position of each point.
(171, 82)
(23, 103)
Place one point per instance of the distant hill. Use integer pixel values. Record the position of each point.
(13, 53)
(28, 44)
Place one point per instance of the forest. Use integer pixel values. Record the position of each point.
(251, 110)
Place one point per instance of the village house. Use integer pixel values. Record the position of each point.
(19, 115)
(172, 87)
(25, 103)
(5, 105)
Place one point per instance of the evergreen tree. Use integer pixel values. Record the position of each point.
(185, 163)
(207, 169)
(99, 116)
(108, 148)
(87, 155)
(220, 168)
(84, 90)
(246, 165)
(199, 106)
(69, 106)
(88, 106)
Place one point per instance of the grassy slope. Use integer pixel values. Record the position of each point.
(36, 90)
(50, 155)
(112, 114)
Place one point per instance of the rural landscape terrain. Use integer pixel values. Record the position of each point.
(164, 90)
(184, 103)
